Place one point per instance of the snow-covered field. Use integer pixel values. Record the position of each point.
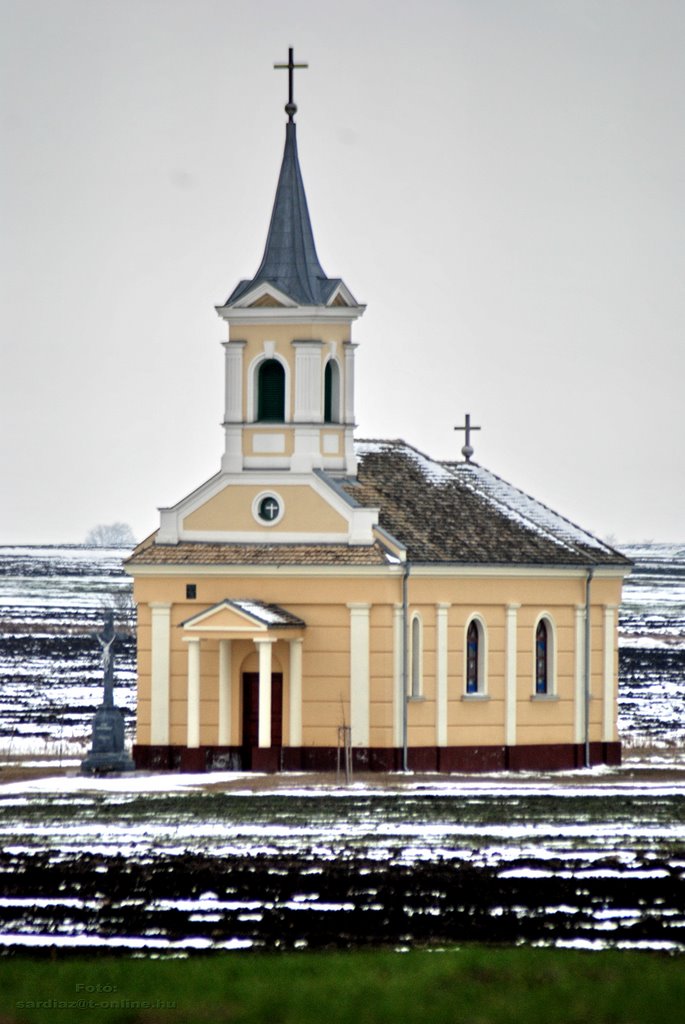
(51, 601)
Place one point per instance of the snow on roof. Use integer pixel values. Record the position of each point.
(269, 614)
(512, 502)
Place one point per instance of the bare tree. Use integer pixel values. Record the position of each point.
(116, 535)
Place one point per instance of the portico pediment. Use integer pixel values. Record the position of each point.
(242, 616)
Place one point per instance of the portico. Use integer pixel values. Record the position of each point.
(234, 631)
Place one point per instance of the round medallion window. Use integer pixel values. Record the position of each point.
(268, 509)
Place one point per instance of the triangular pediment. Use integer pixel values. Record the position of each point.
(266, 300)
(342, 296)
(241, 616)
(264, 295)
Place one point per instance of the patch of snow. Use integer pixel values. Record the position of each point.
(515, 504)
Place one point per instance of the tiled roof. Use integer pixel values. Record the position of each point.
(462, 513)
(187, 553)
(439, 512)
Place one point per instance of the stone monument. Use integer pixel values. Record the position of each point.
(107, 753)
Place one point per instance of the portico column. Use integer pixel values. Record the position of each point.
(295, 710)
(193, 737)
(441, 673)
(608, 729)
(224, 737)
(264, 731)
(160, 636)
(510, 675)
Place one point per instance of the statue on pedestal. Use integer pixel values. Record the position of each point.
(107, 753)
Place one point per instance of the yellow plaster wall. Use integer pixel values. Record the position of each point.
(231, 509)
(322, 603)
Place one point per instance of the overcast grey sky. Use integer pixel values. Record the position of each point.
(500, 180)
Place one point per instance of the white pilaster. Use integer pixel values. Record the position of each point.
(224, 736)
(295, 706)
(510, 674)
(308, 394)
(441, 674)
(398, 694)
(232, 460)
(264, 649)
(160, 635)
(234, 412)
(608, 725)
(359, 673)
(193, 737)
(579, 676)
(348, 349)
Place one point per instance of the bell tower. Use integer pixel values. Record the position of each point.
(289, 355)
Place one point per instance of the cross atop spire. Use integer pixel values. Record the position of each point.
(290, 107)
(467, 450)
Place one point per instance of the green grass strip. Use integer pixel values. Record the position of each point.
(472, 985)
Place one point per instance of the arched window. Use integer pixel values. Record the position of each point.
(472, 659)
(331, 392)
(271, 392)
(416, 657)
(542, 675)
(475, 662)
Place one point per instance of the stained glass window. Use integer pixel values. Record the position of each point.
(541, 650)
(472, 652)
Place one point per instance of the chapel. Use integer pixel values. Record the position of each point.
(320, 591)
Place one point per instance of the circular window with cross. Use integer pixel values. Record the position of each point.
(267, 509)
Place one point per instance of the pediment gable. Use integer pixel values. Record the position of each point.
(264, 295)
(242, 616)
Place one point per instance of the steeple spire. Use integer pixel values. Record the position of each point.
(290, 262)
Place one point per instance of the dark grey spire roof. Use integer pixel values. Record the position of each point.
(290, 262)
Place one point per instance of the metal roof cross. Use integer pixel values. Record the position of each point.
(467, 450)
(290, 107)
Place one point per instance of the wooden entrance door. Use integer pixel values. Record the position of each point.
(251, 713)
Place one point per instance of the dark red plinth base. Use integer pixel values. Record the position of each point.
(541, 757)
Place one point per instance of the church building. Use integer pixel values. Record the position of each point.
(320, 589)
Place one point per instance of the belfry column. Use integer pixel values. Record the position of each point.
(348, 417)
(232, 461)
(264, 649)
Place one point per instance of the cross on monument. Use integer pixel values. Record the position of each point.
(467, 450)
(107, 639)
(290, 107)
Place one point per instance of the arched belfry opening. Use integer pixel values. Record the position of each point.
(331, 392)
(271, 392)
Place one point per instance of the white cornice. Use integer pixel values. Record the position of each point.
(295, 314)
